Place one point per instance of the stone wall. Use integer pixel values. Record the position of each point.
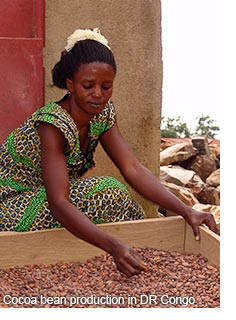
(133, 29)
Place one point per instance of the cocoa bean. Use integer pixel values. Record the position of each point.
(171, 279)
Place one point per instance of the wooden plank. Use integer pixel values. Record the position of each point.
(51, 246)
(208, 246)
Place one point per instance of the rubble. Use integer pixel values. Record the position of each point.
(203, 165)
(176, 174)
(184, 194)
(214, 178)
(190, 168)
(177, 153)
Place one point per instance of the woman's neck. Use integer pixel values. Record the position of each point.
(81, 118)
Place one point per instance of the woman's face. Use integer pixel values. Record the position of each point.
(92, 86)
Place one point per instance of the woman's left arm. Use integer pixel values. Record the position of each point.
(146, 184)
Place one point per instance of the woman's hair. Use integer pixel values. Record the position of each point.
(85, 51)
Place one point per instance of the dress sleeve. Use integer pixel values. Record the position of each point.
(55, 115)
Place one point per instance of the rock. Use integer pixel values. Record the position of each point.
(182, 193)
(215, 210)
(168, 142)
(214, 146)
(209, 195)
(203, 165)
(196, 185)
(201, 144)
(214, 178)
(176, 174)
(177, 153)
(165, 143)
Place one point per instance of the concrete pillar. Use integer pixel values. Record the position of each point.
(133, 29)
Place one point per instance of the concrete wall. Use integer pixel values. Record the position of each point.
(133, 28)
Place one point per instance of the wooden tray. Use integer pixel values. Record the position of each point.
(56, 245)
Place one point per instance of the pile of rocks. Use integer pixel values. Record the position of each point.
(190, 168)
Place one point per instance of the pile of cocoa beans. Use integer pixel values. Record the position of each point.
(171, 280)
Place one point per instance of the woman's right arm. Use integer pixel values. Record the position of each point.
(56, 181)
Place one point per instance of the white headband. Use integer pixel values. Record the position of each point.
(83, 34)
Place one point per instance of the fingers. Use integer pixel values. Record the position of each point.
(206, 219)
(130, 263)
(127, 269)
(130, 268)
(210, 222)
(196, 232)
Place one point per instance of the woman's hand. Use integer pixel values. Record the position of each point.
(196, 218)
(127, 260)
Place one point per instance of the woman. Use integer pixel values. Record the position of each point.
(43, 161)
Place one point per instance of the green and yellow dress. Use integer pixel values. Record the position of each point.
(23, 198)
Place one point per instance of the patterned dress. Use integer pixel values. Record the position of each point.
(23, 198)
